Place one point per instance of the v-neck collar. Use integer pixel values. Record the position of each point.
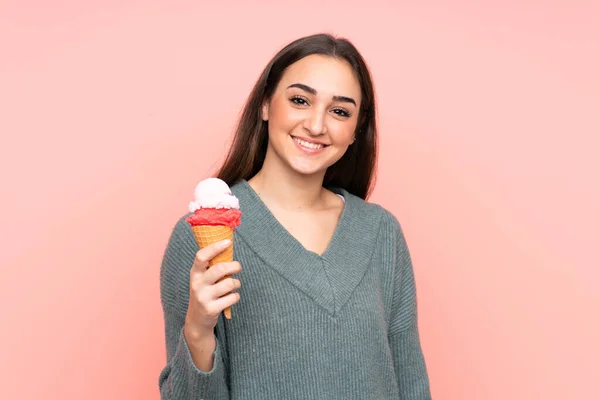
(328, 279)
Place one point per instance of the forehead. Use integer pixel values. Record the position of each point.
(327, 75)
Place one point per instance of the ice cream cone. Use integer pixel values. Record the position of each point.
(215, 215)
(206, 235)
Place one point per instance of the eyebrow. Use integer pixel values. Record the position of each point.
(314, 92)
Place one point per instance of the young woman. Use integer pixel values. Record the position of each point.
(324, 303)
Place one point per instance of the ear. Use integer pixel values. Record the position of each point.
(265, 111)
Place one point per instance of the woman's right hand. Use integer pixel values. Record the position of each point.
(210, 294)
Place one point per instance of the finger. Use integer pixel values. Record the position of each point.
(221, 270)
(226, 301)
(203, 256)
(224, 287)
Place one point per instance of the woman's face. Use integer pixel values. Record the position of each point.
(312, 114)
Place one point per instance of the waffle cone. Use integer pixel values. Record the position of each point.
(206, 235)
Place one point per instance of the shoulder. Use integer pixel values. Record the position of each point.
(181, 230)
(374, 212)
(181, 247)
(381, 222)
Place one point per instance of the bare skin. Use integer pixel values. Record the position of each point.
(313, 225)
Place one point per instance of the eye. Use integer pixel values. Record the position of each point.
(342, 112)
(299, 100)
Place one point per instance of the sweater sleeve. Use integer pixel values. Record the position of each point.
(180, 379)
(409, 362)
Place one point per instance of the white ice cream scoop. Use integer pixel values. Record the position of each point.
(213, 193)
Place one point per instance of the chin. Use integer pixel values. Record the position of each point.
(309, 167)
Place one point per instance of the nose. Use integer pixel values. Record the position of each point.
(315, 122)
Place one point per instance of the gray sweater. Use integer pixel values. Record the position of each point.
(342, 325)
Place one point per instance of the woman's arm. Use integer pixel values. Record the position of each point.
(409, 363)
(181, 378)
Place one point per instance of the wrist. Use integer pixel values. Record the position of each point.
(197, 335)
(202, 345)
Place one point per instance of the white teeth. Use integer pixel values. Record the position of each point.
(308, 145)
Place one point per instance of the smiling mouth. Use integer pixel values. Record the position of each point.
(308, 145)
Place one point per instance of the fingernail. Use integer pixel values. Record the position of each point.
(226, 242)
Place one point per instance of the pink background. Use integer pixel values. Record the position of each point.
(111, 111)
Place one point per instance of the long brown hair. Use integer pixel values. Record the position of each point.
(355, 171)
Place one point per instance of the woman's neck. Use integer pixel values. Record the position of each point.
(290, 191)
